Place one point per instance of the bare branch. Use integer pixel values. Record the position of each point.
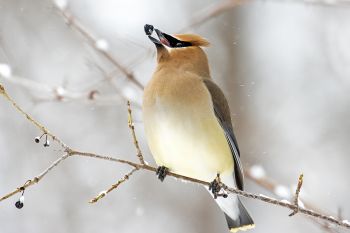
(221, 7)
(109, 78)
(74, 23)
(36, 179)
(212, 11)
(322, 3)
(30, 119)
(43, 92)
(114, 186)
(288, 205)
(132, 128)
(282, 192)
(296, 197)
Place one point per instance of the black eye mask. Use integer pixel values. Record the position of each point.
(164, 39)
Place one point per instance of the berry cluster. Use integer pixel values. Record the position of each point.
(46, 143)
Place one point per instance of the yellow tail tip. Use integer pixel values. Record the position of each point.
(242, 228)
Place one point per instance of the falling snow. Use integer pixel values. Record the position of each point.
(346, 222)
(102, 45)
(285, 201)
(129, 93)
(262, 195)
(5, 70)
(60, 91)
(301, 204)
(103, 193)
(257, 171)
(140, 211)
(61, 4)
(282, 191)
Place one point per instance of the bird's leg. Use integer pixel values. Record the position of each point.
(215, 187)
(162, 172)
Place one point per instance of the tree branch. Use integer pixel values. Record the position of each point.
(256, 174)
(144, 166)
(132, 128)
(31, 120)
(37, 178)
(95, 43)
(221, 7)
(114, 186)
(62, 94)
(296, 197)
(211, 11)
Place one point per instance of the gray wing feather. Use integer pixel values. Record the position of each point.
(222, 113)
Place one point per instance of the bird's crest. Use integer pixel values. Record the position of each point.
(195, 40)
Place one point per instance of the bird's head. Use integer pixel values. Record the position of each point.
(181, 50)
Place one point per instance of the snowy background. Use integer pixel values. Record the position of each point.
(283, 65)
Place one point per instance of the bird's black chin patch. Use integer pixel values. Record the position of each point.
(171, 41)
(164, 39)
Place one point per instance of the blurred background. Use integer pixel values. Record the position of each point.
(283, 65)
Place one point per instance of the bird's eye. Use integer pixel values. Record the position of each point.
(178, 44)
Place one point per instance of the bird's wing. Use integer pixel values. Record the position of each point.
(222, 112)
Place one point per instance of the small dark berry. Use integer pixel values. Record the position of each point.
(148, 29)
(47, 143)
(37, 139)
(19, 205)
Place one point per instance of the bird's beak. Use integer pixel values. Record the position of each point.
(149, 30)
(164, 38)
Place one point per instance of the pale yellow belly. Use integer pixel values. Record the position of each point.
(189, 144)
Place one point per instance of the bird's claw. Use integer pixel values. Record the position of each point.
(215, 188)
(162, 172)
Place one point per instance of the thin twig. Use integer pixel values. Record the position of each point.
(296, 197)
(74, 23)
(212, 11)
(37, 178)
(30, 119)
(272, 186)
(321, 3)
(132, 129)
(88, 95)
(221, 7)
(57, 93)
(114, 186)
(288, 205)
(109, 78)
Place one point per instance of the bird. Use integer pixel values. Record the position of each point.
(188, 124)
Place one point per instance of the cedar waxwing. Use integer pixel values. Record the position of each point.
(188, 124)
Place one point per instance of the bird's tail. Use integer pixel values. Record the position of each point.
(237, 217)
(243, 221)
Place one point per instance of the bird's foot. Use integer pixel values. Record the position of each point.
(162, 172)
(216, 186)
